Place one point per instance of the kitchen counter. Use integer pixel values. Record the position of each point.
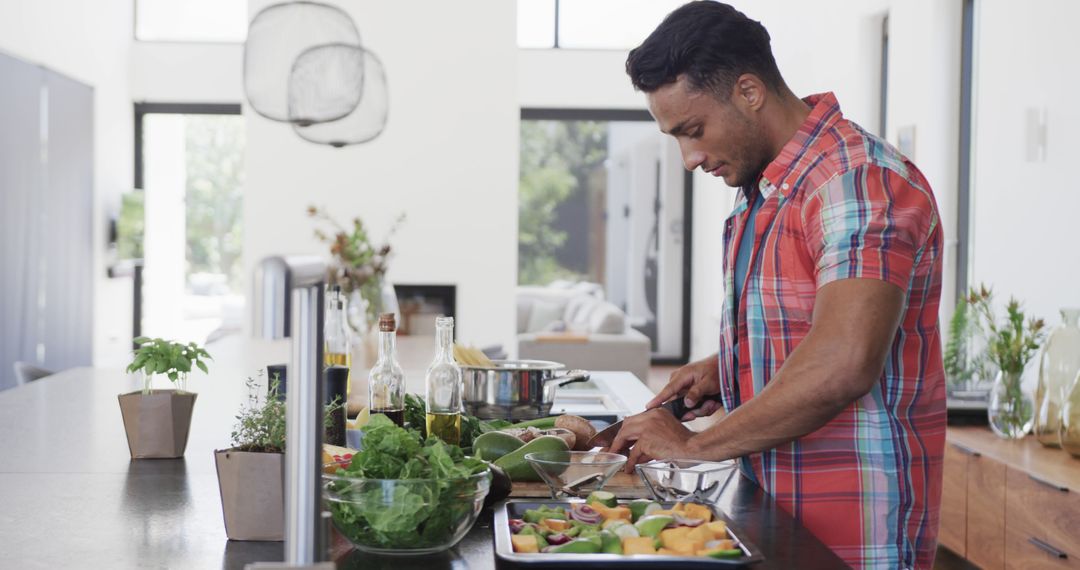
(70, 496)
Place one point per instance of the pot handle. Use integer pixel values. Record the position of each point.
(570, 377)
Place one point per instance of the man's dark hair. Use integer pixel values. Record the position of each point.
(712, 43)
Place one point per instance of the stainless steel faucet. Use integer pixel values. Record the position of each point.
(288, 302)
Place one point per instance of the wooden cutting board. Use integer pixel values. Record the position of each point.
(624, 486)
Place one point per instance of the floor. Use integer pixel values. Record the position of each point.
(946, 560)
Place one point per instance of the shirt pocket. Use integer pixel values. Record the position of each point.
(789, 302)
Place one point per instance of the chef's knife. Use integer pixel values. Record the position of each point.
(606, 436)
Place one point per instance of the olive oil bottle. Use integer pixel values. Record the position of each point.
(336, 350)
(443, 380)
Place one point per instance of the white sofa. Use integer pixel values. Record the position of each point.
(574, 325)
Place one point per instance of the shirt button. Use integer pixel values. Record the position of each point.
(784, 186)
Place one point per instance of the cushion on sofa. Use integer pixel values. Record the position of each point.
(542, 313)
(578, 309)
(606, 318)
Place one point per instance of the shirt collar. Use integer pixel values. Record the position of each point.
(824, 113)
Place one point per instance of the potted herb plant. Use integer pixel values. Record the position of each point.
(157, 422)
(1011, 343)
(251, 473)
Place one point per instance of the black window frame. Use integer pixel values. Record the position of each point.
(141, 110)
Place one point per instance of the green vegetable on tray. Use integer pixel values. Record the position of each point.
(599, 527)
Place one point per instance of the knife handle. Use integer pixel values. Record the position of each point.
(678, 407)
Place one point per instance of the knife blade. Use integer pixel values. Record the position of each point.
(606, 436)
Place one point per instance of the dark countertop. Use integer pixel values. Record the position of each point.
(70, 496)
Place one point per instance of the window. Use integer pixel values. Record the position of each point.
(589, 24)
(191, 20)
(604, 198)
(190, 166)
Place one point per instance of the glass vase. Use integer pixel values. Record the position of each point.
(1069, 429)
(1011, 410)
(1058, 367)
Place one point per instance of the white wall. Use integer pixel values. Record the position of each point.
(448, 156)
(167, 72)
(89, 41)
(1024, 214)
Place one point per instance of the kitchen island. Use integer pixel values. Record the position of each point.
(70, 496)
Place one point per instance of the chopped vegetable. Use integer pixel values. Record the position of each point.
(594, 527)
(638, 545)
(603, 497)
(524, 543)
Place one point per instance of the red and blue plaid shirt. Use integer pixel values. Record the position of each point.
(840, 203)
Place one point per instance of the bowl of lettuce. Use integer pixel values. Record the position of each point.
(405, 495)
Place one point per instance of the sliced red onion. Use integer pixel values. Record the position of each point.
(546, 549)
(683, 521)
(516, 525)
(585, 514)
(558, 538)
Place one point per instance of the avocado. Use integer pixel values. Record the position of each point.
(610, 542)
(495, 444)
(500, 486)
(514, 463)
(603, 497)
(652, 525)
(642, 507)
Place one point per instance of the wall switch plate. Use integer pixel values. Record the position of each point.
(1035, 150)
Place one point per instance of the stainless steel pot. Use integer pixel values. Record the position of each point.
(515, 389)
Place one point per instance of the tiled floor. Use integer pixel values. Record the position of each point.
(946, 560)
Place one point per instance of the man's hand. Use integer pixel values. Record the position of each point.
(654, 433)
(693, 381)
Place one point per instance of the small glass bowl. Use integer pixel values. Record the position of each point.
(575, 473)
(686, 479)
(404, 516)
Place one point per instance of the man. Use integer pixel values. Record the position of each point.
(829, 364)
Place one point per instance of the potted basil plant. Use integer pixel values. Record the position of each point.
(157, 422)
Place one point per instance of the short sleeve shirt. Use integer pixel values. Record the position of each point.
(839, 203)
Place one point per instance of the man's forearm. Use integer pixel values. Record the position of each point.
(815, 384)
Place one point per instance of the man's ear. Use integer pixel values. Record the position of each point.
(750, 92)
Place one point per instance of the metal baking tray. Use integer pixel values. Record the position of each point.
(516, 508)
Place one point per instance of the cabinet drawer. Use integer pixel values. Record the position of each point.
(953, 529)
(986, 512)
(1043, 511)
(1023, 551)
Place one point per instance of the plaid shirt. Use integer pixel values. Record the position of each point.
(840, 203)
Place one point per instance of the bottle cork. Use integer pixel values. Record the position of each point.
(387, 322)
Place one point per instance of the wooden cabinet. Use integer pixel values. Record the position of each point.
(1009, 504)
(986, 512)
(1044, 519)
(953, 533)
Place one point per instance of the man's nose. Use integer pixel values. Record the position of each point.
(691, 158)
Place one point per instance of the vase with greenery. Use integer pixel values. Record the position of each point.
(173, 359)
(357, 264)
(157, 422)
(1011, 343)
